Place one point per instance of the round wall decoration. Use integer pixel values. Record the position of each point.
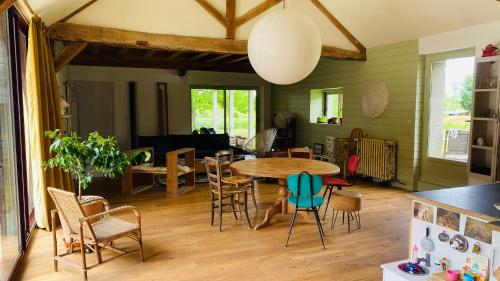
(284, 46)
(375, 99)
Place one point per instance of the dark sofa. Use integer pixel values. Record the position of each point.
(205, 145)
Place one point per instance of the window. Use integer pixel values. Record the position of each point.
(10, 235)
(450, 103)
(226, 110)
(326, 106)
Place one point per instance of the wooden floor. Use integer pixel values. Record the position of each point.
(180, 244)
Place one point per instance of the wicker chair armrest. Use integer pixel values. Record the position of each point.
(115, 210)
(100, 199)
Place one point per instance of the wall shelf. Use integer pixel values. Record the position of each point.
(482, 162)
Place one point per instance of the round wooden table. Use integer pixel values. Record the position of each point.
(281, 168)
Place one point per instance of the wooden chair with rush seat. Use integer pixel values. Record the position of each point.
(94, 236)
(300, 152)
(225, 194)
(303, 188)
(332, 182)
(225, 159)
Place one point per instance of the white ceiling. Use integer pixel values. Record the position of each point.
(373, 22)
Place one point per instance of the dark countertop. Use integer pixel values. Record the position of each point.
(473, 200)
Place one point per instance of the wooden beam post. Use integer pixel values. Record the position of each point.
(5, 4)
(212, 11)
(340, 27)
(230, 18)
(67, 54)
(257, 10)
(77, 11)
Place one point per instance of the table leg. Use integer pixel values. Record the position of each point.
(280, 206)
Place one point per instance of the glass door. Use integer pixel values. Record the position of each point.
(10, 246)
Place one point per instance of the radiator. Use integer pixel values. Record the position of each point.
(377, 158)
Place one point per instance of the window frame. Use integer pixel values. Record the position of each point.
(429, 59)
(330, 92)
(227, 88)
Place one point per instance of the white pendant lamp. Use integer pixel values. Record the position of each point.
(284, 46)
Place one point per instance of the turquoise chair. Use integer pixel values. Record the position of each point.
(303, 187)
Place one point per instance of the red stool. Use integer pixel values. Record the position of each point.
(331, 182)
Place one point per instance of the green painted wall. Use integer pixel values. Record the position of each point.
(401, 68)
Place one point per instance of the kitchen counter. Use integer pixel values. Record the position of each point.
(476, 200)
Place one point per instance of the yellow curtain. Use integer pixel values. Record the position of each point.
(42, 112)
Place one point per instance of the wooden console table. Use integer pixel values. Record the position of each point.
(172, 174)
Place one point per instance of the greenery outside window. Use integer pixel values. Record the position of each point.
(450, 101)
(228, 110)
(326, 106)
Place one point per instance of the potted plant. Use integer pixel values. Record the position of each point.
(85, 158)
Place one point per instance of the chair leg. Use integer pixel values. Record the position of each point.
(349, 222)
(233, 208)
(327, 201)
(98, 254)
(246, 210)
(220, 212)
(320, 229)
(141, 252)
(291, 225)
(320, 225)
(212, 209)
(343, 217)
(82, 251)
(358, 219)
(334, 221)
(54, 238)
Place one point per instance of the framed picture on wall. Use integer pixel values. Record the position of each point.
(318, 148)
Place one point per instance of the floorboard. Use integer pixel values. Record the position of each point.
(181, 245)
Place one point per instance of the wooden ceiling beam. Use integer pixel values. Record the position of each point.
(89, 60)
(133, 39)
(68, 53)
(212, 11)
(230, 19)
(175, 55)
(238, 59)
(5, 4)
(255, 11)
(341, 54)
(340, 26)
(77, 11)
(199, 56)
(218, 58)
(149, 54)
(123, 52)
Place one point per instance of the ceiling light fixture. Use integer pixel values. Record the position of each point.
(284, 46)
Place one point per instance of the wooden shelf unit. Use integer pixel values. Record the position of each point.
(173, 189)
(483, 159)
(170, 171)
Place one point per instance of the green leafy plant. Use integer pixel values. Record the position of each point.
(84, 158)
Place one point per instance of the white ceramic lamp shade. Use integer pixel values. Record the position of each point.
(284, 46)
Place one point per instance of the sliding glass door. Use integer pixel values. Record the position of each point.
(228, 110)
(10, 246)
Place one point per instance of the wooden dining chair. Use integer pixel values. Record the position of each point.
(95, 236)
(225, 159)
(225, 194)
(303, 188)
(300, 152)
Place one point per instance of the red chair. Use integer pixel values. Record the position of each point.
(331, 182)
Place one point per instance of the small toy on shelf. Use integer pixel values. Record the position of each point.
(413, 268)
(490, 51)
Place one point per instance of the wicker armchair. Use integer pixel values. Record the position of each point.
(94, 236)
